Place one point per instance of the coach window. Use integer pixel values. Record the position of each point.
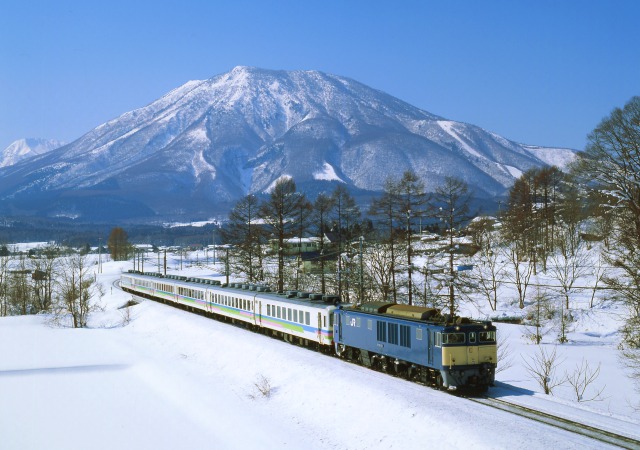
(295, 315)
(307, 318)
(289, 314)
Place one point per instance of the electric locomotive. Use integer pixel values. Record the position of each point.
(418, 343)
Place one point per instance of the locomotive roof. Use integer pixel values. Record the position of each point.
(413, 312)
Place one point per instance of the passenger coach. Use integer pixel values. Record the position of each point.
(299, 317)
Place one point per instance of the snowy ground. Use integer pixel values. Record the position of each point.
(169, 379)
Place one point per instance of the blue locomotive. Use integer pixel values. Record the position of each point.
(417, 343)
(410, 341)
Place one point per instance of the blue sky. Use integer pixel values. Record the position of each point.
(538, 72)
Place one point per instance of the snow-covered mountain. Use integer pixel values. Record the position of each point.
(26, 148)
(202, 146)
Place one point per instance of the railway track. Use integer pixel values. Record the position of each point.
(562, 423)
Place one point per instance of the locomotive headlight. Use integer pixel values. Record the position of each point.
(457, 328)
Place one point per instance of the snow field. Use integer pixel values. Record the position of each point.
(171, 379)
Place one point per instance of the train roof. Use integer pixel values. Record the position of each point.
(295, 297)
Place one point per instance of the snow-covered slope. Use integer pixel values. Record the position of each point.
(207, 143)
(163, 378)
(26, 148)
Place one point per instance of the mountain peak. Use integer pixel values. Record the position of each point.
(26, 148)
(204, 145)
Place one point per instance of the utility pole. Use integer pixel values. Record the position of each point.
(451, 272)
(409, 254)
(361, 293)
(226, 264)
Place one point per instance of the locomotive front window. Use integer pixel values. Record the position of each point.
(487, 336)
(472, 338)
(453, 338)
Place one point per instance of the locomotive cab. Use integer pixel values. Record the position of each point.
(469, 355)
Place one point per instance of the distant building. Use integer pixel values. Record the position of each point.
(295, 246)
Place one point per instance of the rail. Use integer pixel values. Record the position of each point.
(607, 437)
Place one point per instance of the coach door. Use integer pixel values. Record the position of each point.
(259, 312)
(320, 327)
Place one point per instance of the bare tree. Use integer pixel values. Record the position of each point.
(520, 276)
(281, 213)
(538, 314)
(631, 359)
(450, 204)
(76, 291)
(321, 209)
(505, 354)
(385, 209)
(247, 237)
(610, 165)
(543, 368)
(581, 379)
(599, 273)
(345, 215)
(4, 284)
(490, 263)
(43, 269)
(569, 262)
(412, 203)
(377, 261)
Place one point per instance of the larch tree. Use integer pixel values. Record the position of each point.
(321, 213)
(246, 236)
(345, 215)
(450, 204)
(118, 244)
(384, 208)
(412, 202)
(281, 213)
